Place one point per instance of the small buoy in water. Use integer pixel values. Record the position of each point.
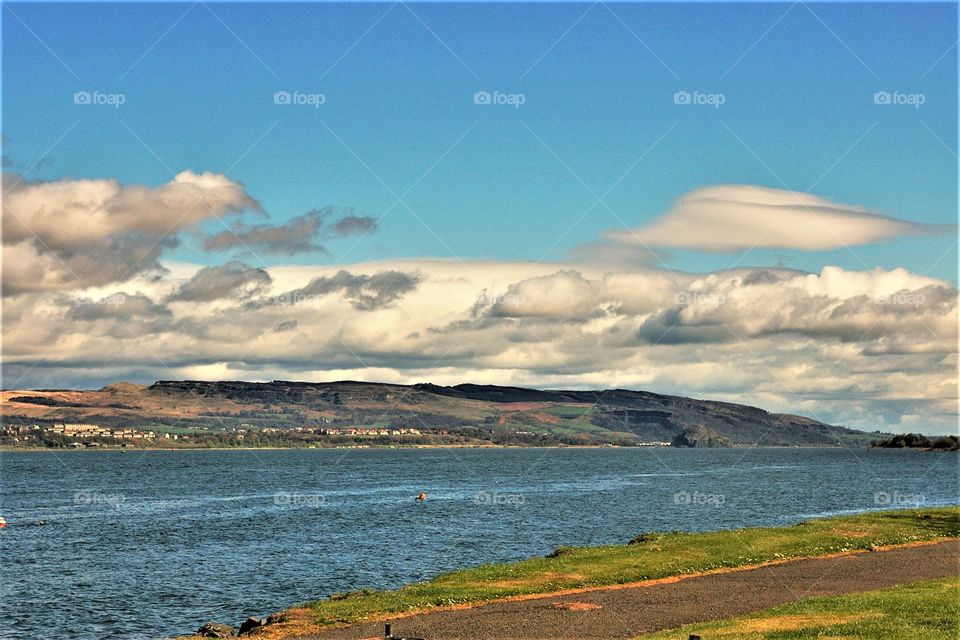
(422, 496)
(3, 523)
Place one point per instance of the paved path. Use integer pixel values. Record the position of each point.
(608, 614)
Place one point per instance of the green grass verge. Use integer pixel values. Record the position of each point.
(651, 556)
(926, 610)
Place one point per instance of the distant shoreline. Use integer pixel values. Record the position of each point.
(7, 449)
(279, 414)
(372, 446)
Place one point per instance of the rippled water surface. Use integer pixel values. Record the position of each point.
(147, 544)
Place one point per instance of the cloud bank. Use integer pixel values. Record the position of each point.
(875, 349)
(89, 300)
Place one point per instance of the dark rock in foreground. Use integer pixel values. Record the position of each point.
(249, 625)
(217, 630)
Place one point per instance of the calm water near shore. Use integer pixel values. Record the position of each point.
(148, 543)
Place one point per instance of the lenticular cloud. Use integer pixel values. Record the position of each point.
(726, 218)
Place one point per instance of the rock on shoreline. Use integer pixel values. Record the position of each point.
(220, 630)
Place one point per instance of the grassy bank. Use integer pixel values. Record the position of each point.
(927, 610)
(648, 557)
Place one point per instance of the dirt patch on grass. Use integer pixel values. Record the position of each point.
(782, 623)
(524, 406)
(576, 606)
(542, 579)
(547, 418)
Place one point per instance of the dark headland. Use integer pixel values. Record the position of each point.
(235, 413)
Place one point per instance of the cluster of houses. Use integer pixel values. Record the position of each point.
(87, 431)
(83, 430)
(351, 431)
(21, 432)
(368, 431)
(81, 434)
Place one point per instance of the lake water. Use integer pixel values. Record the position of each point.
(145, 544)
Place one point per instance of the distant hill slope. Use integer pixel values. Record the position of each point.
(616, 416)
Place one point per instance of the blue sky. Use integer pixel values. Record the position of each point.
(499, 175)
(798, 83)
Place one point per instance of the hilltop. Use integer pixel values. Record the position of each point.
(477, 413)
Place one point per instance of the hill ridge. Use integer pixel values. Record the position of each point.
(499, 413)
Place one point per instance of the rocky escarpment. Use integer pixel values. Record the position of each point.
(439, 414)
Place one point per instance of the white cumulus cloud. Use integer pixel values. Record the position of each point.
(73, 234)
